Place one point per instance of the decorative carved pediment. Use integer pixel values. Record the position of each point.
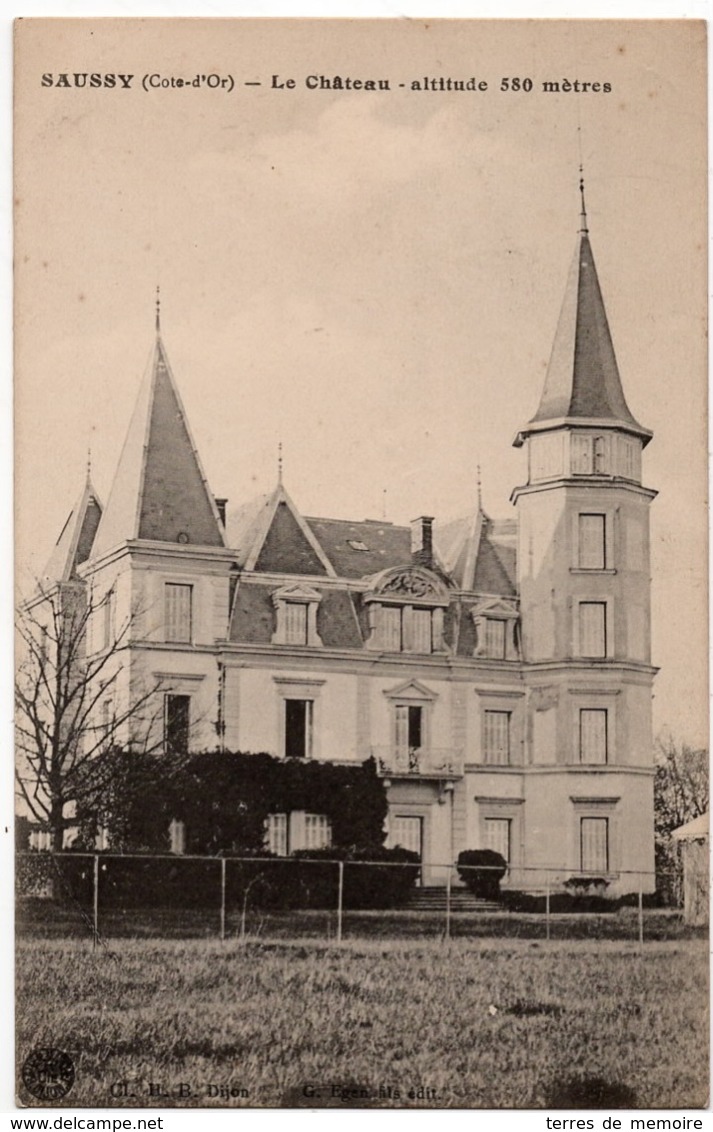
(408, 583)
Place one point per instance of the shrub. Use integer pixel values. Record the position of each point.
(481, 870)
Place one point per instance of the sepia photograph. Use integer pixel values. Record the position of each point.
(361, 661)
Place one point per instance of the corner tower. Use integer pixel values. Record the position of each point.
(584, 579)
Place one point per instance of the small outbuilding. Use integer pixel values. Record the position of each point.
(694, 836)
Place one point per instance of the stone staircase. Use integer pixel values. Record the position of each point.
(433, 899)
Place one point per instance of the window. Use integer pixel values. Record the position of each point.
(601, 455)
(318, 832)
(593, 628)
(592, 542)
(495, 638)
(109, 629)
(391, 628)
(581, 455)
(298, 728)
(496, 836)
(177, 721)
(422, 635)
(107, 719)
(496, 738)
(177, 836)
(276, 834)
(593, 735)
(179, 613)
(409, 727)
(296, 607)
(295, 623)
(594, 845)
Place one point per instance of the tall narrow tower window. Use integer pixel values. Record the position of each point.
(593, 628)
(592, 542)
(179, 600)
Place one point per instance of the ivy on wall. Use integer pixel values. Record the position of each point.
(224, 798)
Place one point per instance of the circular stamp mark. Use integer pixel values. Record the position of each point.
(48, 1073)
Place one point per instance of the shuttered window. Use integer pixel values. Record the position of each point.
(593, 735)
(318, 831)
(422, 637)
(391, 639)
(593, 628)
(109, 632)
(594, 840)
(495, 638)
(497, 836)
(276, 834)
(581, 455)
(496, 738)
(592, 542)
(295, 623)
(179, 600)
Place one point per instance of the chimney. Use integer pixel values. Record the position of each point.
(221, 504)
(422, 541)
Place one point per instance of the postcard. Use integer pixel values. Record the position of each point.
(361, 694)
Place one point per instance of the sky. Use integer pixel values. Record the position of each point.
(371, 279)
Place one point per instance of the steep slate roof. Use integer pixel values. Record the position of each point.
(583, 383)
(159, 490)
(479, 553)
(74, 544)
(386, 545)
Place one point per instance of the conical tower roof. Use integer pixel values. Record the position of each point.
(583, 386)
(76, 539)
(159, 491)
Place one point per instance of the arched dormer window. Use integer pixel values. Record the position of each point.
(406, 611)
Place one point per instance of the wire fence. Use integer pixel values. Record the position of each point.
(106, 895)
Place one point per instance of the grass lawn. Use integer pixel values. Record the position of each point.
(478, 1023)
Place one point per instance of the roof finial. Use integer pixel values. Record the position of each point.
(480, 490)
(158, 309)
(583, 215)
(279, 462)
(89, 463)
(383, 504)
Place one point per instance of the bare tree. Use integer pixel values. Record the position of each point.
(73, 703)
(681, 793)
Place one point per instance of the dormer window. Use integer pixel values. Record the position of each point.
(296, 608)
(406, 611)
(296, 623)
(495, 620)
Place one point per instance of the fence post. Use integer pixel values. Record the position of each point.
(95, 929)
(547, 905)
(340, 899)
(641, 915)
(448, 904)
(222, 898)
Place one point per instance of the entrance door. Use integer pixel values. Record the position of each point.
(407, 832)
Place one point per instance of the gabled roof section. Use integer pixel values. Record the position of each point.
(280, 540)
(159, 491)
(582, 385)
(76, 539)
(480, 553)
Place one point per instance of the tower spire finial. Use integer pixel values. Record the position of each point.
(158, 309)
(583, 214)
(279, 462)
(480, 490)
(89, 463)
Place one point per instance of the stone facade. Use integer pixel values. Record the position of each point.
(498, 671)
